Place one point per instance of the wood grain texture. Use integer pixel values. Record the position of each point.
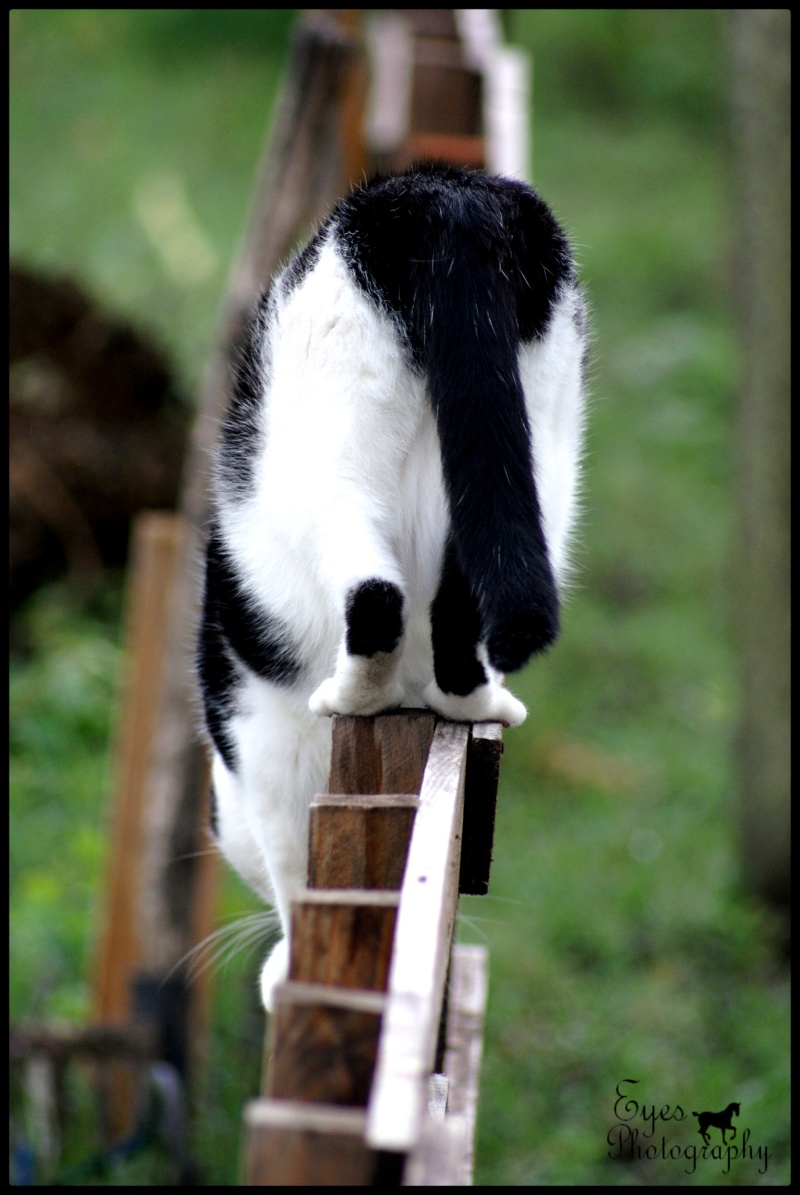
(480, 804)
(359, 841)
(384, 754)
(444, 1154)
(343, 938)
(326, 1044)
(306, 1145)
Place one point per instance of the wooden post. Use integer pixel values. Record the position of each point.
(155, 551)
(358, 1022)
(290, 1144)
(343, 937)
(384, 754)
(358, 841)
(760, 44)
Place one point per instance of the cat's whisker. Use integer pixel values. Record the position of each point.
(468, 923)
(213, 849)
(226, 941)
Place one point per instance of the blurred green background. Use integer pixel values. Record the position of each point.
(622, 943)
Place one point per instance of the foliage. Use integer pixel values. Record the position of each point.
(622, 943)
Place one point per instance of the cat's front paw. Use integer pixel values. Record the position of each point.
(487, 703)
(357, 689)
(274, 972)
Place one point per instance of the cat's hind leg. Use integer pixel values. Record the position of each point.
(365, 680)
(465, 687)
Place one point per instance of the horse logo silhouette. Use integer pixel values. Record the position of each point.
(716, 1120)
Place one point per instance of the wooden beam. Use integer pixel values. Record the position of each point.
(122, 950)
(384, 754)
(343, 938)
(460, 150)
(155, 548)
(444, 1155)
(422, 948)
(359, 841)
(480, 804)
(306, 1145)
(60, 1042)
(326, 1042)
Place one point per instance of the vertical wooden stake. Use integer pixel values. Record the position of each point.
(156, 544)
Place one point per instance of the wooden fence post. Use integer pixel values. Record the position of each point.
(121, 951)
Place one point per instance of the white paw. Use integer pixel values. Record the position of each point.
(359, 688)
(274, 972)
(488, 703)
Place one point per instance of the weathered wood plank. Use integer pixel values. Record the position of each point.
(444, 1155)
(306, 1145)
(462, 1060)
(384, 754)
(359, 841)
(422, 944)
(156, 542)
(123, 947)
(480, 804)
(326, 1040)
(343, 938)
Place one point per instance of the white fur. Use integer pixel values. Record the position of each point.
(551, 375)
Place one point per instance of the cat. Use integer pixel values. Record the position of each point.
(396, 480)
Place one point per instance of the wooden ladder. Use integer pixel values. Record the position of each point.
(375, 1041)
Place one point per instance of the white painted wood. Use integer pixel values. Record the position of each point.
(506, 108)
(438, 1087)
(291, 1114)
(421, 950)
(444, 1155)
(390, 48)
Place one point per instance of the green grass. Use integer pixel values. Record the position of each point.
(622, 943)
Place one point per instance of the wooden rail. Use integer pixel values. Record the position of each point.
(374, 1055)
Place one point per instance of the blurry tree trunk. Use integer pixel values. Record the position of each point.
(760, 45)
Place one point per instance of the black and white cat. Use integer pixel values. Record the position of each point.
(396, 482)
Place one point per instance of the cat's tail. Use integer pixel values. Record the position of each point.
(471, 360)
(473, 266)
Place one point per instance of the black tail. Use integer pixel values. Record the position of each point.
(472, 265)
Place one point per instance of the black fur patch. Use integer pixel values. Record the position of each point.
(374, 615)
(218, 681)
(240, 433)
(404, 236)
(232, 629)
(300, 265)
(455, 632)
(213, 811)
(471, 266)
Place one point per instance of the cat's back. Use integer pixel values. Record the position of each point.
(380, 384)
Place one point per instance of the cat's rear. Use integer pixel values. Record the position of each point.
(396, 483)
